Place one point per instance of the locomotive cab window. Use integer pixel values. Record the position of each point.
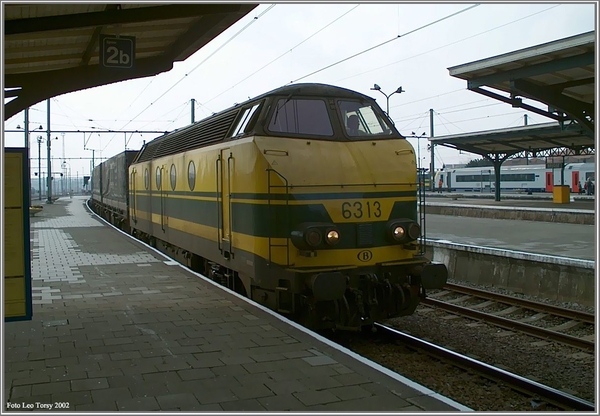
(362, 119)
(243, 122)
(301, 116)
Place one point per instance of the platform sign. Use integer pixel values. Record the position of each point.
(17, 259)
(554, 165)
(117, 51)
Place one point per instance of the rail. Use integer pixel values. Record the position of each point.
(509, 324)
(554, 396)
(528, 304)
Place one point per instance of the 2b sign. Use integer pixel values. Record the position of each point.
(117, 51)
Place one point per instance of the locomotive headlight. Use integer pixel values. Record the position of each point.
(332, 237)
(398, 232)
(313, 237)
(414, 231)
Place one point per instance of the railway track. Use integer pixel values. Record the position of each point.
(575, 318)
(553, 396)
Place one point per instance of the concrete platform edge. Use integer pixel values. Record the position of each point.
(585, 217)
(519, 255)
(512, 208)
(555, 278)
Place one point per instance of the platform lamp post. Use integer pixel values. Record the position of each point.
(49, 178)
(387, 97)
(40, 139)
(27, 131)
(64, 167)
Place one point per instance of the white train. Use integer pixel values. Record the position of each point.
(524, 178)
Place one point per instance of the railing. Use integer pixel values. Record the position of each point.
(422, 221)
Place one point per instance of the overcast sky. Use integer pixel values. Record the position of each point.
(418, 62)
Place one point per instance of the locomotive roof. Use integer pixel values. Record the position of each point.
(213, 128)
(303, 89)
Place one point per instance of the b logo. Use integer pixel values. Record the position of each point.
(365, 255)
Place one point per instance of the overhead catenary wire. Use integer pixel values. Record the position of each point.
(79, 114)
(443, 123)
(478, 118)
(448, 44)
(410, 117)
(55, 101)
(184, 104)
(427, 98)
(384, 43)
(140, 94)
(283, 54)
(202, 62)
(412, 120)
(474, 108)
(178, 116)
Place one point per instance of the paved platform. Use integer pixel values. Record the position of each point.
(555, 239)
(116, 326)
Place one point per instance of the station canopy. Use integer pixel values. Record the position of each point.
(548, 139)
(560, 75)
(52, 49)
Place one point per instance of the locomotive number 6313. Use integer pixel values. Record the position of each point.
(368, 209)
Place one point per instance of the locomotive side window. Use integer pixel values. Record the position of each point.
(301, 116)
(173, 177)
(192, 175)
(362, 119)
(243, 121)
(158, 178)
(146, 179)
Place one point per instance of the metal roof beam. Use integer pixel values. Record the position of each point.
(533, 70)
(91, 46)
(113, 17)
(518, 103)
(465, 147)
(580, 111)
(570, 84)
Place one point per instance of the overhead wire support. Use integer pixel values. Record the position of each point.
(98, 131)
(386, 42)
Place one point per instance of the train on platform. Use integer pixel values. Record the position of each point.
(518, 178)
(303, 199)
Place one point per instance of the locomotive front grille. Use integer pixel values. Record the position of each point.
(364, 235)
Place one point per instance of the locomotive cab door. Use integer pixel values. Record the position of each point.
(225, 164)
(549, 181)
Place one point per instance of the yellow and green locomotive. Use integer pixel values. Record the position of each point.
(303, 199)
